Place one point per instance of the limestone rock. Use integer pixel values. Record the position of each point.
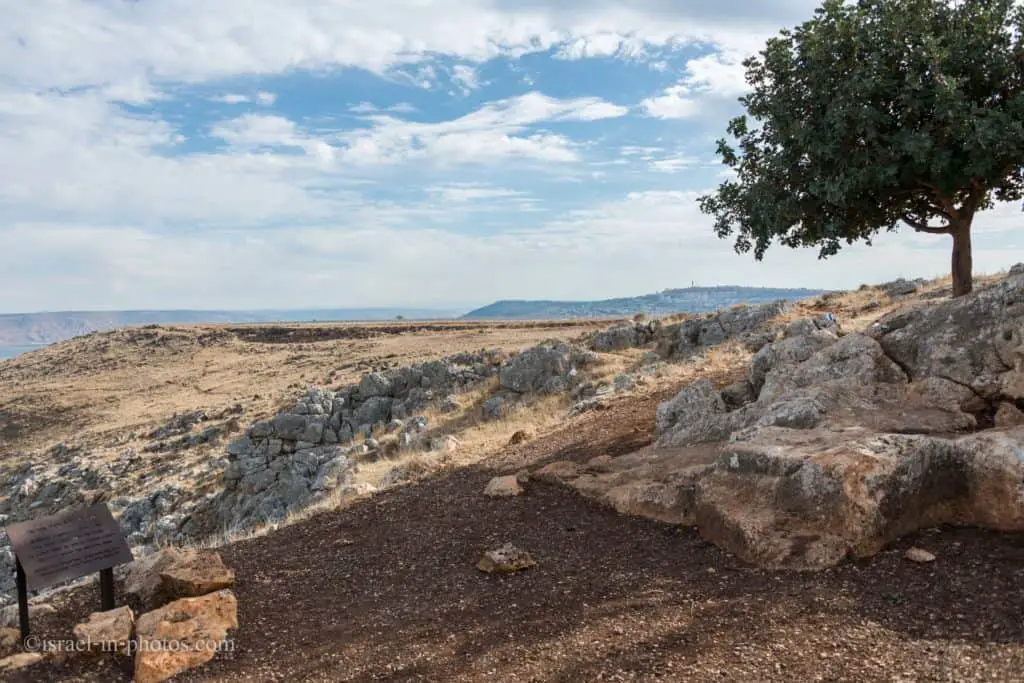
(109, 631)
(1008, 415)
(10, 641)
(172, 573)
(557, 471)
(196, 574)
(960, 339)
(503, 487)
(696, 414)
(19, 661)
(183, 635)
(444, 444)
(807, 499)
(919, 555)
(546, 368)
(505, 560)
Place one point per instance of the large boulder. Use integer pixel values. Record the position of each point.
(967, 339)
(183, 635)
(809, 499)
(172, 573)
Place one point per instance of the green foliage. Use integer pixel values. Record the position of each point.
(873, 113)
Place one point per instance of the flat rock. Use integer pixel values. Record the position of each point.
(183, 635)
(503, 487)
(506, 559)
(109, 631)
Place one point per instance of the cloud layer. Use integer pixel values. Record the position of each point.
(265, 153)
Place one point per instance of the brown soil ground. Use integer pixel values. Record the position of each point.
(387, 589)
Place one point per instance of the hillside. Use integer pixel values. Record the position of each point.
(633, 580)
(25, 329)
(669, 301)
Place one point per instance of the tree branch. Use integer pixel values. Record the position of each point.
(948, 208)
(920, 226)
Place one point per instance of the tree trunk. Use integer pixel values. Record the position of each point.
(962, 261)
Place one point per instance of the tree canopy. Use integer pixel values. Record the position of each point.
(873, 114)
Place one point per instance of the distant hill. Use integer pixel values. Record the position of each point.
(23, 329)
(689, 300)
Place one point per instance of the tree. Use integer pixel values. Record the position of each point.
(875, 113)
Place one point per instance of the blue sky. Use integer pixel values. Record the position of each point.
(269, 153)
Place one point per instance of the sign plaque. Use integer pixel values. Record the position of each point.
(67, 546)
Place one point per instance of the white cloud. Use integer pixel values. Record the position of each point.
(231, 98)
(266, 98)
(370, 108)
(470, 192)
(49, 43)
(466, 78)
(674, 104)
(673, 164)
(712, 77)
(642, 242)
(497, 130)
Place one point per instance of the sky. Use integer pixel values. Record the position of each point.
(343, 153)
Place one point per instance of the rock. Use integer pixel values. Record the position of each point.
(495, 408)
(450, 404)
(690, 336)
(289, 426)
(172, 573)
(738, 394)
(503, 487)
(919, 555)
(1016, 270)
(625, 382)
(375, 385)
(519, 437)
(10, 641)
(546, 368)
(183, 635)
(196, 573)
(9, 614)
(505, 559)
(446, 444)
(109, 631)
(959, 339)
(557, 471)
(620, 336)
(1008, 415)
(696, 414)
(899, 287)
(808, 499)
(22, 660)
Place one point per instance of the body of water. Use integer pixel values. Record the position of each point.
(12, 351)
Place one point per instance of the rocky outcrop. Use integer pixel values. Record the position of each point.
(746, 323)
(549, 368)
(834, 444)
